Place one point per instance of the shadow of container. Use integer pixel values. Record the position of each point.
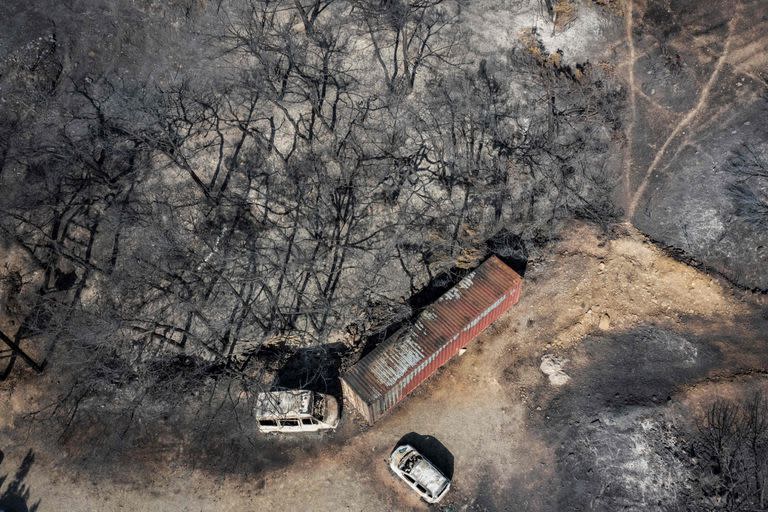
(510, 249)
(314, 368)
(440, 456)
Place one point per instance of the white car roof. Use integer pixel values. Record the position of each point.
(428, 476)
(278, 404)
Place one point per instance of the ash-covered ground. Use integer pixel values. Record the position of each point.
(697, 163)
(644, 293)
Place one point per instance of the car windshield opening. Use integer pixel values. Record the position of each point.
(318, 407)
(409, 462)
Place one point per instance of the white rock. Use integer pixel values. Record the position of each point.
(552, 367)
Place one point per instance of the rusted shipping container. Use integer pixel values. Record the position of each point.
(398, 365)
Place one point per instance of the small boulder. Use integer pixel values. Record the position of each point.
(552, 367)
(605, 322)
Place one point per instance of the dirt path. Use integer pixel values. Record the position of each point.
(628, 26)
(478, 406)
(698, 109)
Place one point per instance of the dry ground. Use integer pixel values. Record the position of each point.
(493, 408)
(641, 339)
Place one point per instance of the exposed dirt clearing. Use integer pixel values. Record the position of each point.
(630, 280)
(477, 406)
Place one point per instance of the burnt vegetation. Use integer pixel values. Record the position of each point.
(730, 451)
(749, 191)
(183, 233)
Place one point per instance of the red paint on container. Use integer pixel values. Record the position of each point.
(397, 366)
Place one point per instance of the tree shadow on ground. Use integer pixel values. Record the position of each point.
(14, 497)
(509, 248)
(440, 456)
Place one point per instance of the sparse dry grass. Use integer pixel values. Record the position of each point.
(565, 13)
(533, 45)
(555, 59)
(469, 258)
(615, 6)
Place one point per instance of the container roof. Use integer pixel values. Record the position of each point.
(438, 324)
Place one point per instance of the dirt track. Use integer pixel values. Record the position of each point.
(506, 426)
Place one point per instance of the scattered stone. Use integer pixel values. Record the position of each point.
(552, 367)
(605, 322)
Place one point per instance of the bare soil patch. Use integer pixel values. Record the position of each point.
(511, 432)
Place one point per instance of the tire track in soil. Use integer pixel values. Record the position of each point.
(628, 24)
(692, 113)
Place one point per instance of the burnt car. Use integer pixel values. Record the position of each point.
(296, 411)
(419, 473)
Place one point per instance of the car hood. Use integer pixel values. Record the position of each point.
(331, 415)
